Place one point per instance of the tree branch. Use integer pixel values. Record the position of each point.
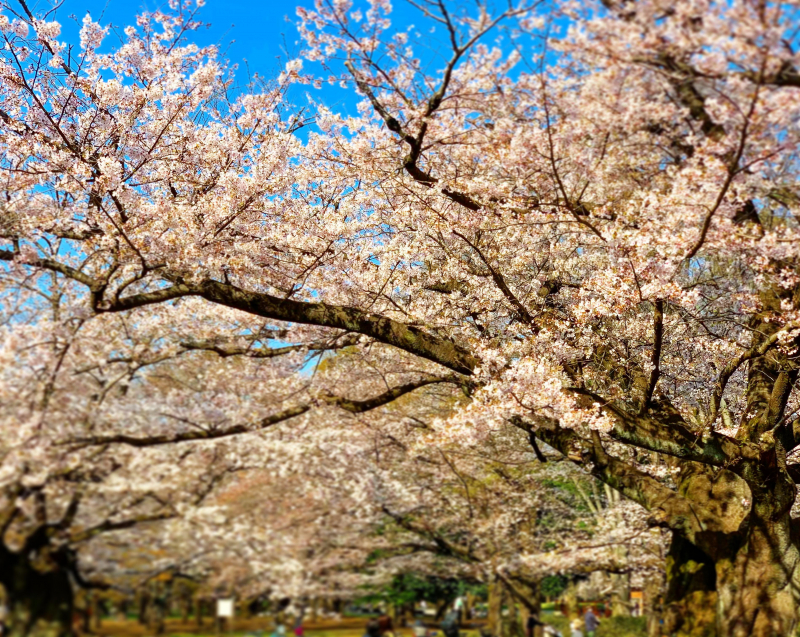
(658, 337)
(191, 436)
(360, 406)
(382, 329)
(668, 507)
(734, 364)
(663, 430)
(225, 350)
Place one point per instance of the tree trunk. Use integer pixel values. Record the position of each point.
(469, 606)
(691, 598)
(97, 612)
(742, 583)
(157, 609)
(652, 604)
(570, 596)
(758, 587)
(85, 606)
(144, 603)
(39, 596)
(198, 611)
(620, 594)
(495, 611)
(408, 613)
(529, 595)
(749, 588)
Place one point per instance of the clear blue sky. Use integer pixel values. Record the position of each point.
(261, 33)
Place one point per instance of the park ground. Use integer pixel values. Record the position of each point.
(346, 627)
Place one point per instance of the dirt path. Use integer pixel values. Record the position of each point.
(132, 628)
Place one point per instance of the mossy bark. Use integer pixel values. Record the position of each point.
(691, 598)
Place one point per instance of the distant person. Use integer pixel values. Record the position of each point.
(592, 622)
(299, 630)
(531, 624)
(458, 606)
(576, 628)
(280, 630)
(385, 625)
(450, 624)
(373, 628)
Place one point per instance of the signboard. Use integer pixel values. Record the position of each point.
(224, 608)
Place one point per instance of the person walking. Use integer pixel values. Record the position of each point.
(592, 622)
(450, 624)
(373, 628)
(280, 630)
(531, 624)
(386, 627)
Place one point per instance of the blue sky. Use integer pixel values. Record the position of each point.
(261, 33)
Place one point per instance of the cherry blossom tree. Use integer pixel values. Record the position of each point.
(588, 227)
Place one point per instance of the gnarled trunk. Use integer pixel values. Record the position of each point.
(39, 596)
(741, 583)
(748, 589)
(758, 586)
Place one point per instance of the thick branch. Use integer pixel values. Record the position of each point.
(382, 329)
(225, 349)
(658, 337)
(54, 266)
(360, 406)
(668, 507)
(663, 430)
(195, 435)
(734, 364)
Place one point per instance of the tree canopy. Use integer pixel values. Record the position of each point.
(565, 231)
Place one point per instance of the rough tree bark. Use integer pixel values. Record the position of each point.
(691, 596)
